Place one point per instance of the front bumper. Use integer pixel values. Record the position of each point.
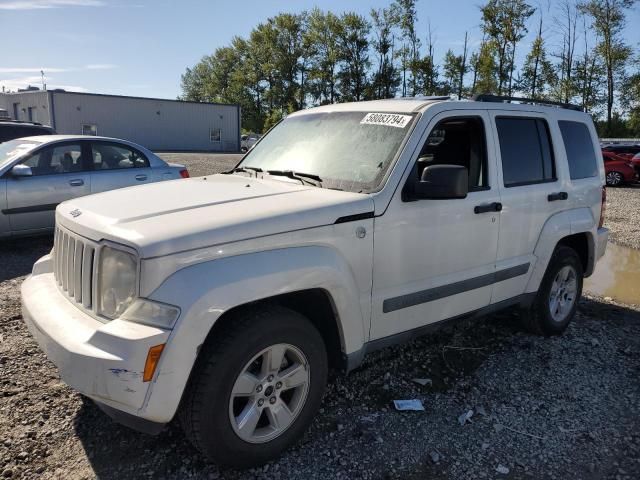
(103, 361)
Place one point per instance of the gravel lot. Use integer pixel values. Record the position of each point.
(623, 215)
(565, 407)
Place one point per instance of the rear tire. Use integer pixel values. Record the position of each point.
(241, 410)
(557, 298)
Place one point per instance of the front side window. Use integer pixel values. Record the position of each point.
(111, 156)
(57, 159)
(525, 148)
(579, 148)
(348, 150)
(457, 141)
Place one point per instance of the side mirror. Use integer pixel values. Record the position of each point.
(442, 182)
(21, 171)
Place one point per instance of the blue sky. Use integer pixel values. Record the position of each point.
(141, 47)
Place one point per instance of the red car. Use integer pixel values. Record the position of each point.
(618, 170)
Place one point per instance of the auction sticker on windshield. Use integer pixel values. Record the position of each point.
(387, 119)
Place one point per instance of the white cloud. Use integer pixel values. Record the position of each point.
(45, 4)
(13, 84)
(100, 66)
(33, 70)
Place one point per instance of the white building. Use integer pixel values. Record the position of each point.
(157, 124)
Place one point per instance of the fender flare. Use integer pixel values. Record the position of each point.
(205, 291)
(557, 227)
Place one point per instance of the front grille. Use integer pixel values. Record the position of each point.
(74, 259)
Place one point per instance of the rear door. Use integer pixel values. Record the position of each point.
(531, 190)
(117, 165)
(59, 173)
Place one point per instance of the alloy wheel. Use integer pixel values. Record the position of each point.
(269, 393)
(563, 294)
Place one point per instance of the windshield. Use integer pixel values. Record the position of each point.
(346, 150)
(12, 148)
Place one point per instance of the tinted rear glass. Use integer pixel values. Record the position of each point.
(525, 148)
(579, 148)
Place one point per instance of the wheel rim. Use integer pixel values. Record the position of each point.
(614, 178)
(269, 393)
(564, 291)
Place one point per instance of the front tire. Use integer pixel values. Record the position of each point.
(256, 388)
(557, 299)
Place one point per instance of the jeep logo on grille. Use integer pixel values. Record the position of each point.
(75, 213)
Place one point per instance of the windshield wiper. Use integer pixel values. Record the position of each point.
(254, 170)
(302, 177)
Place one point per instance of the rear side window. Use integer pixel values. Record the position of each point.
(525, 148)
(579, 148)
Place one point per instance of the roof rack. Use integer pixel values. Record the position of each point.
(506, 99)
(426, 97)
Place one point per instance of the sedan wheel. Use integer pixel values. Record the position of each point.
(614, 179)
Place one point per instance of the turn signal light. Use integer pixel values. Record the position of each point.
(184, 173)
(153, 357)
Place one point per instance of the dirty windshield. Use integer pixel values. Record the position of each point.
(346, 150)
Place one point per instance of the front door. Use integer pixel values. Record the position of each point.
(59, 174)
(435, 259)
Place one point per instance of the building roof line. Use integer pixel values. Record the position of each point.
(60, 92)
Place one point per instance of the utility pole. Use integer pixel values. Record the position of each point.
(44, 87)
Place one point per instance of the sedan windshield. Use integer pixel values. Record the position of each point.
(345, 150)
(13, 148)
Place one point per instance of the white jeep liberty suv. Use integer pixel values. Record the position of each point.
(224, 300)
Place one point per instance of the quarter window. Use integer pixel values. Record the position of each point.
(579, 148)
(525, 148)
(110, 156)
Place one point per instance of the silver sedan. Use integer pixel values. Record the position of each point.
(37, 173)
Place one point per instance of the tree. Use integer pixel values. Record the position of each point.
(504, 23)
(406, 18)
(538, 72)
(322, 37)
(630, 100)
(566, 22)
(485, 70)
(386, 80)
(608, 20)
(354, 56)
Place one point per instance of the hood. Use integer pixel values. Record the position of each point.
(173, 216)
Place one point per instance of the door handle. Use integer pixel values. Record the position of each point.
(76, 182)
(141, 177)
(552, 197)
(488, 207)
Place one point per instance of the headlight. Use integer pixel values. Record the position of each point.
(117, 272)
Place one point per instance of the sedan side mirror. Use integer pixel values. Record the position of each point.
(21, 171)
(442, 182)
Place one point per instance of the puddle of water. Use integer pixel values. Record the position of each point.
(617, 275)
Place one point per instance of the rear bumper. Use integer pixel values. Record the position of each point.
(601, 242)
(103, 361)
